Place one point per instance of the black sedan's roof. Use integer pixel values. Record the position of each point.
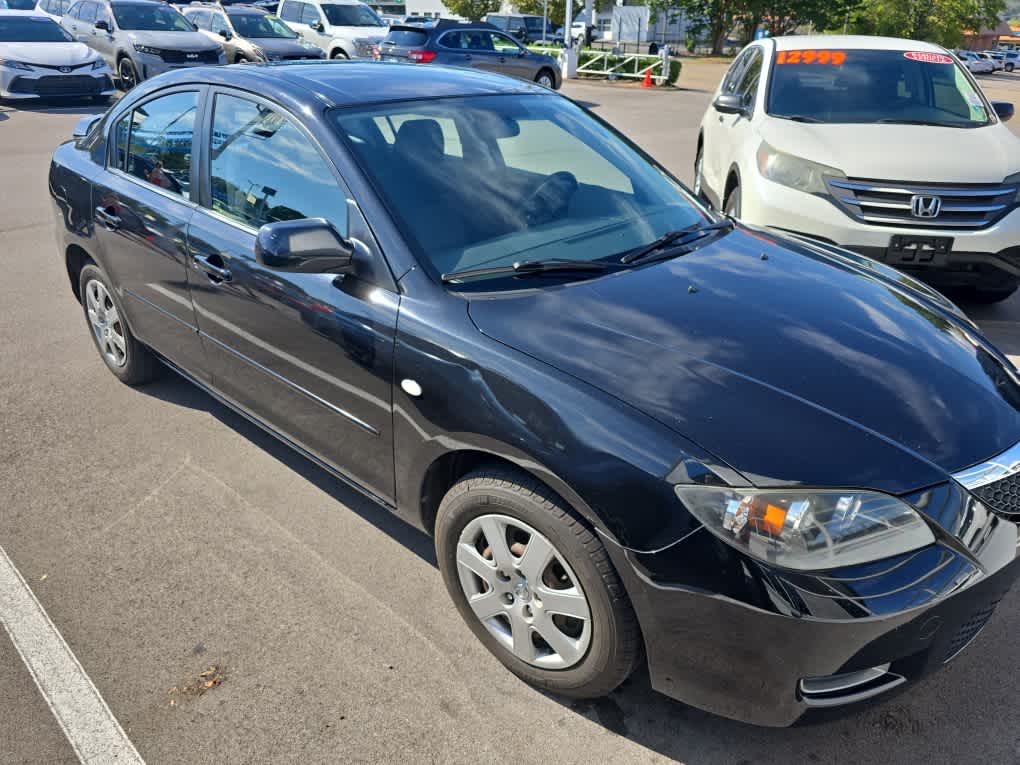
(352, 83)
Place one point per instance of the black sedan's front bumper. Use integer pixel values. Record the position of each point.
(765, 647)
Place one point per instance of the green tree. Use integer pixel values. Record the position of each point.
(472, 9)
(939, 21)
(557, 10)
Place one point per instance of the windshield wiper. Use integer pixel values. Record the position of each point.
(894, 121)
(674, 240)
(797, 118)
(526, 267)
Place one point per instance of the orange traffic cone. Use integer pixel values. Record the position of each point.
(647, 82)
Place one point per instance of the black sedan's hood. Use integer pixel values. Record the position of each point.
(794, 368)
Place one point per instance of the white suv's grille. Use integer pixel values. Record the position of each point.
(892, 203)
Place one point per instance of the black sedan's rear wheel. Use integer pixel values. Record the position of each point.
(535, 585)
(127, 358)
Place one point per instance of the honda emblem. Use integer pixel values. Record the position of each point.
(923, 206)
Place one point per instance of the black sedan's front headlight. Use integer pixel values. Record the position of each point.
(808, 530)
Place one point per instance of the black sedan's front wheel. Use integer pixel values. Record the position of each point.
(546, 79)
(535, 585)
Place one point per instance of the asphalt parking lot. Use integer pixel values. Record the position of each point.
(234, 604)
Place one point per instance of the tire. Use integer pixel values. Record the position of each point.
(602, 650)
(130, 361)
(732, 206)
(546, 79)
(127, 74)
(339, 55)
(699, 182)
(1009, 67)
(987, 296)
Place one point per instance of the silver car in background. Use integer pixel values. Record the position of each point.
(140, 38)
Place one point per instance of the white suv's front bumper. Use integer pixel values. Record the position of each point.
(997, 246)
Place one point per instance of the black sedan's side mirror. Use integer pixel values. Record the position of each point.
(101, 24)
(1004, 110)
(307, 246)
(729, 103)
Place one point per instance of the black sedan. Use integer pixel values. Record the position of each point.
(782, 475)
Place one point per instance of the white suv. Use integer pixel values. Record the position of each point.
(342, 28)
(882, 146)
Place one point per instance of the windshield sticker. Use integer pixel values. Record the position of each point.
(833, 57)
(928, 58)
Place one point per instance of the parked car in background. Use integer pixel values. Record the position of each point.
(423, 20)
(474, 45)
(886, 147)
(524, 28)
(55, 9)
(996, 63)
(777, 475)
(975, 63)
(39, 59)
(140, 38)
(1010, 59)
(249, 35)
(342, 28)
(21, 5)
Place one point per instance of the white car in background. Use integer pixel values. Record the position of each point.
(882, 146)
(996, 63)
(975, 63)
(39, 59)
(342, 28)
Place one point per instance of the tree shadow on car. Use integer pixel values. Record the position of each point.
(174, 389)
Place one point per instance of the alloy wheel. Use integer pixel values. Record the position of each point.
(106, 323)
(523, 591)
(545, 80)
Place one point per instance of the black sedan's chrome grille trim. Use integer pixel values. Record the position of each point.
(996, 482)
(889, 203)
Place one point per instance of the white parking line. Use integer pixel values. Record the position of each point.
(90, 727)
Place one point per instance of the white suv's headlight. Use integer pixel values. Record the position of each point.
(808, 530)
(793, 171)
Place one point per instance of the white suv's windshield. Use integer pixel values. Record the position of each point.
(873, 86)
(489, 181)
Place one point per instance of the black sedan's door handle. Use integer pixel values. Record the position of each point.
(215, 271)
(108, 219)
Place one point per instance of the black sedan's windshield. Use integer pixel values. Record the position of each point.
(351, 15)
(257, 25)
(490, 181)
(150, 18)
(873, 86)
(31, 29)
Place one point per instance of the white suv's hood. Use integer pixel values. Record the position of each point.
(916, 153)
(47, 53)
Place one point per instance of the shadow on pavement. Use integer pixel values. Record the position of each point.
(176, 390)
(911, 727)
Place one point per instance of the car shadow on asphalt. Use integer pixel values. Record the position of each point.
(899, 726)
(174, 389)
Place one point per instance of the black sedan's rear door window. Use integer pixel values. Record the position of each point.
(153, 142)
